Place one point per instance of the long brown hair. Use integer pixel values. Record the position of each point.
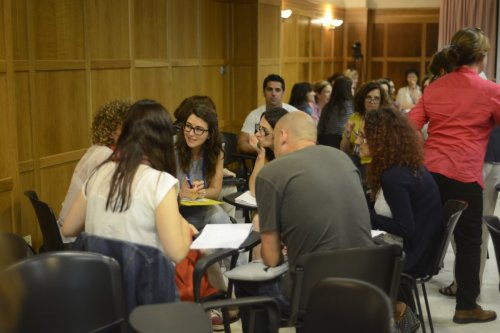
(147, 137)
(392, 141)
(212, 147)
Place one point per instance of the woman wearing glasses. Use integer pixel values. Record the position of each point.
(405, 197)
(370, 96)
(462, 109)
(200, 165)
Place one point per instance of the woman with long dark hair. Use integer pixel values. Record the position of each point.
(462, 109)
(132, 196)
(200, 165)
(336, 113)
(302, 97)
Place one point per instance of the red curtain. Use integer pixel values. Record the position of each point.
(457, 14)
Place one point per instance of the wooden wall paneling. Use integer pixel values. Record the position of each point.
(6, 210)
(29, 222)
(215, 85)
(54, 182)
(2, 32)
(338, 41)
(269, 22)
(20, 30)
(338, 67)
(109, 29)
(377, 70)
(290, 37)
(304, 72)
(23, 113)
(328, 36)
(244, 28)
(377, 40)
(150, 29)
(154, 83)
(214, 27)
(431, 38)
(244, 81)
(62, 121)
(317, 40)
(58, 29)
(185, 82)
(316, 71)
(327, 70)
(107, 85)
(404, 39)
(290, 73)
(184, 21)
(304, 43)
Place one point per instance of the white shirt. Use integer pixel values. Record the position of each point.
(253, 118)
(138, 223)
(382, 208)
(94, 156)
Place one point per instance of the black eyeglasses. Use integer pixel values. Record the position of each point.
(371, 99)
(196, 129)
(262, 130)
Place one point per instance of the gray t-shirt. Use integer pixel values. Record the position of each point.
(315, 199)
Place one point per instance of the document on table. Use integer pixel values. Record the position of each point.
(222, 236)
(246, 199)
(200, 202)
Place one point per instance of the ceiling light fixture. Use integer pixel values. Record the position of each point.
(286, 13)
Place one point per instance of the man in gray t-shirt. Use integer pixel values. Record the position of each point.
(310, 199)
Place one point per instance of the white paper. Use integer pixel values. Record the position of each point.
(246, 199)
(376, 233)
(222, 236)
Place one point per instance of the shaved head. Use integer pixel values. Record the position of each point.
(294, 131)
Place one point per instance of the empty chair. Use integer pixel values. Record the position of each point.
(52, 240)
(13, 248)
(451, 213)
(347, 305)
(493, 224)
(63, 292)
(231, 155)
(379, 265)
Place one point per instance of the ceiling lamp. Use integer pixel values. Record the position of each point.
(286, 13)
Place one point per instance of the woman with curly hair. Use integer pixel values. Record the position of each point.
(200, 165)
(105, 130)
(406, 198)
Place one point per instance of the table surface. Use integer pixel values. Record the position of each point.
(230, 199)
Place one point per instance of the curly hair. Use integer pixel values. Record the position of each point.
(392, 141)
(106, 121)
(359, 98)
(212, 147)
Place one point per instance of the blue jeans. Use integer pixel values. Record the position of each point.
(270, 288)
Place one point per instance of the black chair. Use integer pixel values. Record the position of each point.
(380, 265)
(191, 317)
(493, 224)
(452, 211)
(13, 249)
(52, 240)
(63, 292)
(357, 306)
(231, 157)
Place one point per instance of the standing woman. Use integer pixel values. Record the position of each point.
(132, 196)
(409, 96)
(336, 113)
(200, 165)
(323, 90)
(462, 109)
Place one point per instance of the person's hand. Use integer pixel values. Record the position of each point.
(253, 142)
(189, 192)
(261, 151)
(348, 128)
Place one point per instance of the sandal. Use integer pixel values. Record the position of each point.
(451, 290)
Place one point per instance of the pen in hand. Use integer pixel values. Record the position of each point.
(189, 182)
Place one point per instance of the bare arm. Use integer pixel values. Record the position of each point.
(173, 231)
(271, 248)
(345, 144)
(244, 145)
(74, 222)
(259, 164)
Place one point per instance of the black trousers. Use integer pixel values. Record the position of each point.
(467, 236)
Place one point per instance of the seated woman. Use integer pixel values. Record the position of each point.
(132, 196)
(412, 206)
(302, 97)
(106, 128)
(200, 165)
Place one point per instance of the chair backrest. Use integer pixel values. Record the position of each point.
(13, 248)
(452, 211)
(148, 275)
(52, 240)
(493, 224)
(380, 265)
(230, 141)
(344, 305)
(63, 292)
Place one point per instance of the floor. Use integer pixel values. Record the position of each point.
(442, 307)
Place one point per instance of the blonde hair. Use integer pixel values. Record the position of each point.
(107, 120)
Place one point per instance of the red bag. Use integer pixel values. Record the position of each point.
(184, 278)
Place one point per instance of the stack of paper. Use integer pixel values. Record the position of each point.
(222, 236)
(246, 199)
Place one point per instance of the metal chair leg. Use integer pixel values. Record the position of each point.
(429, 317)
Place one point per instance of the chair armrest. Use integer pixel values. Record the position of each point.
(202, 265)
(233, 181)
(252, 240)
